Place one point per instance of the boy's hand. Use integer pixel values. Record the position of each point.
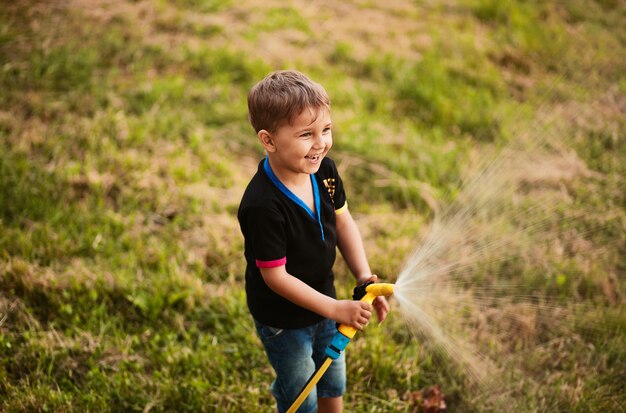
(382, 308)
(355, 314)
(380, 303)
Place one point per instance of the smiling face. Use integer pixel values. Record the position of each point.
(296, 150)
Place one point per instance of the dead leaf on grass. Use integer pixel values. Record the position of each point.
(428, 400)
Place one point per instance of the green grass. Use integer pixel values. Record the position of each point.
(124, 150)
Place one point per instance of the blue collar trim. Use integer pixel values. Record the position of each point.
(294, 197)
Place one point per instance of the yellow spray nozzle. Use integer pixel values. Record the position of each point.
(367, 293)
(378, 289)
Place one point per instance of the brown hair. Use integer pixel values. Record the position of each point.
(280, 97)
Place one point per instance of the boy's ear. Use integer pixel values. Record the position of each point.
(266, 140)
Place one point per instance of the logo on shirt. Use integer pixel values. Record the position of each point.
(329, 183)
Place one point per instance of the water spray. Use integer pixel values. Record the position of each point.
(365, 292)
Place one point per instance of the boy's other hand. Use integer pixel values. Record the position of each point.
(355, 314)
(380, 303)
(382, 308)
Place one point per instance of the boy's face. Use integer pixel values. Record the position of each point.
(300, 147)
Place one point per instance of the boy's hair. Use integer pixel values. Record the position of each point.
(280, 97)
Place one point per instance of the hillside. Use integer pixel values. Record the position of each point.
(125, 149)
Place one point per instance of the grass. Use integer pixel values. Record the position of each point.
(124, 150)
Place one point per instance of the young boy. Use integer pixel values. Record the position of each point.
(293, 215)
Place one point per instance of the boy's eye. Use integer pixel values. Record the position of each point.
(305, 134)
(326, 130)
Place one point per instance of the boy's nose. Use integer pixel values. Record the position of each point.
(319, 142)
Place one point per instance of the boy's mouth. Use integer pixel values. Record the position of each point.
(313, 158)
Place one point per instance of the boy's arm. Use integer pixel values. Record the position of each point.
(351, 247)
(353, 313)
(352, 250)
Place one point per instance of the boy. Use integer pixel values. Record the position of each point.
(293, 215)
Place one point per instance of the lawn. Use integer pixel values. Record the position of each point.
(491, 131)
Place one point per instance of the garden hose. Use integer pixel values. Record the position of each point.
(365, 292)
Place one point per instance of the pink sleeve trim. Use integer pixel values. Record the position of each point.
(271, 264)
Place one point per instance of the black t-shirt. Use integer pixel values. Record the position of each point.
(280, 229)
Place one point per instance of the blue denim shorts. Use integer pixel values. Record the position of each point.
(295, 354)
